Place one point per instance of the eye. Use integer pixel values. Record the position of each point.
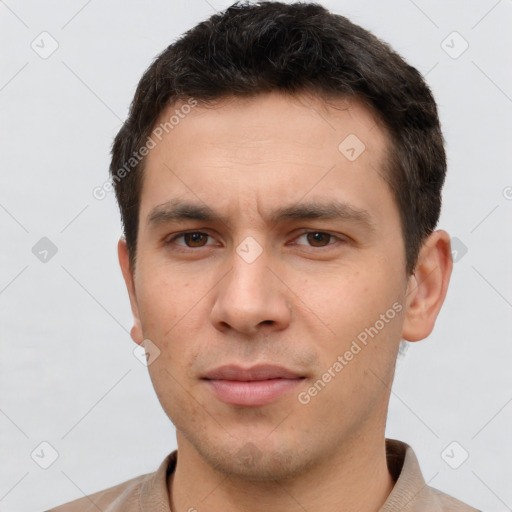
(191, 239)
(317, 238)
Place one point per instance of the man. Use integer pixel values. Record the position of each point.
(279, 179)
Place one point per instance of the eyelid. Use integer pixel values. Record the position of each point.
(338, 238)
(332, 235)
(169, 239)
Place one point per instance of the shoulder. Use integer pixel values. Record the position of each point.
(448, 503)
(411, 493)
(125, 493)
(144, 492)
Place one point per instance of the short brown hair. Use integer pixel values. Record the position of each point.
(253, 48)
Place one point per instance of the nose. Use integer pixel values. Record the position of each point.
(251, 298)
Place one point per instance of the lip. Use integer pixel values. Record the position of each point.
(254, 373)
(251, 387)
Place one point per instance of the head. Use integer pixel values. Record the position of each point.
(282, 182)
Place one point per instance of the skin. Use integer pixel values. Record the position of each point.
(299, 304)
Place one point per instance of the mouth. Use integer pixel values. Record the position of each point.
(251, 387)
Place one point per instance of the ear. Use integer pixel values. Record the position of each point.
(124, 261)
(427, 287)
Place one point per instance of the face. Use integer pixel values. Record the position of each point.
(264, 241)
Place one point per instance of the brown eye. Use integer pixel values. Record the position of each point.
(318, 239)
(195, 239)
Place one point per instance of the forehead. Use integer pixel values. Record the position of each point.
(267, 150)
(273, 119)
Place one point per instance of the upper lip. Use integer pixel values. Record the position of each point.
(258, 372)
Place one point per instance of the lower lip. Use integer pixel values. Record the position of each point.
(251, 394)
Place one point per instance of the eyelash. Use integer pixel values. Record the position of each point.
(305, 233)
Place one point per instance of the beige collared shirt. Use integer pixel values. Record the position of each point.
(148, 493)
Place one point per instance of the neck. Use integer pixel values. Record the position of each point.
(354, 478)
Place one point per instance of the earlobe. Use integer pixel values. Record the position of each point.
(124, 262)
(427, 286)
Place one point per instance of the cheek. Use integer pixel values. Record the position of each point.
(361, 316)
(165, 298)
(346, 299)
(171, 390)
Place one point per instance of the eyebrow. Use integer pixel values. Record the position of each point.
(333, 210)
(178, 210)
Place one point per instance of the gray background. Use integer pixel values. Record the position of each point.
(68, 374)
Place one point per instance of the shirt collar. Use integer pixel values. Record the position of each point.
(409, 492)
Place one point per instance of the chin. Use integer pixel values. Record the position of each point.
(255, 461)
